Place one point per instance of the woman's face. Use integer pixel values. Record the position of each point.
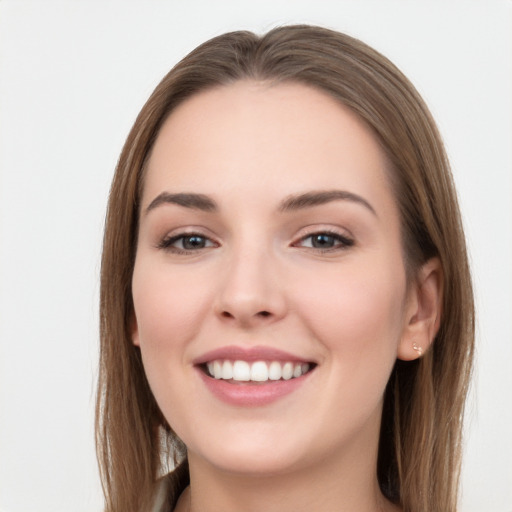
(269, 246)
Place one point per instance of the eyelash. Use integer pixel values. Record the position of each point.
(341, 242)
(168, 243)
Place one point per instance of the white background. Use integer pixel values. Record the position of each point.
(74, 74)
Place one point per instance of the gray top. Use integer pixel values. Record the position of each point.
(160, 496)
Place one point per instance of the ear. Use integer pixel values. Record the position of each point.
(134, 330)
(423, 311)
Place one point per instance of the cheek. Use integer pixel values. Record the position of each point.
(168, 309)
(357, 313)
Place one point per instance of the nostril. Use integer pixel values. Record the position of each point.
(228, 315)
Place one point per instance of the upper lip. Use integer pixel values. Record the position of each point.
(257, 353)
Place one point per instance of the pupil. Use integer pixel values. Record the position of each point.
(322, 241)
(193, 242)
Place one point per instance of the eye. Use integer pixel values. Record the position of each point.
(325, 240)
(186, 243)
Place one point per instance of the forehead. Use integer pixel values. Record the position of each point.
(252, 136)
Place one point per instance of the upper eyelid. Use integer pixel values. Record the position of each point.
(189, 231)
(341, 238)
(178, 236)
(316, 230)
(344, 240)
(166, 242)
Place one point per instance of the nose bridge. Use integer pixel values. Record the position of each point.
(249, 290)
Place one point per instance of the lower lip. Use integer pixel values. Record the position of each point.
(251, 394)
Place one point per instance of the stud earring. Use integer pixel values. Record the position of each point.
(418, 349)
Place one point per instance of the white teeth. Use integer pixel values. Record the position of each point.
(241, 371)
(217, 369)
(287, 371)
(227, 370)
(258, 371)
(274, 371)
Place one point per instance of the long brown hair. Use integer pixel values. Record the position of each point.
(420, 443)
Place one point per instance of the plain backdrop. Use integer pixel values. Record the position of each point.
(73, 76)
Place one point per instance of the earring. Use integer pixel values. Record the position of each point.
(418, 349)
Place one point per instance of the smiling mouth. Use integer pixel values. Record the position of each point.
(239, 371)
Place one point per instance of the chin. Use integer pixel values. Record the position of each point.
(254, 463)
(251, 454)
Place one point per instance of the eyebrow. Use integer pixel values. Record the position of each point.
(188, 200)
(204, 203)
(316, 198)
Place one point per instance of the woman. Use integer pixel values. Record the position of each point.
(286, 306)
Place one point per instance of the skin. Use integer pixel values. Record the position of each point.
(259, 280)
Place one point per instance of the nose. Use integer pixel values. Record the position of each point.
(250, 290)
